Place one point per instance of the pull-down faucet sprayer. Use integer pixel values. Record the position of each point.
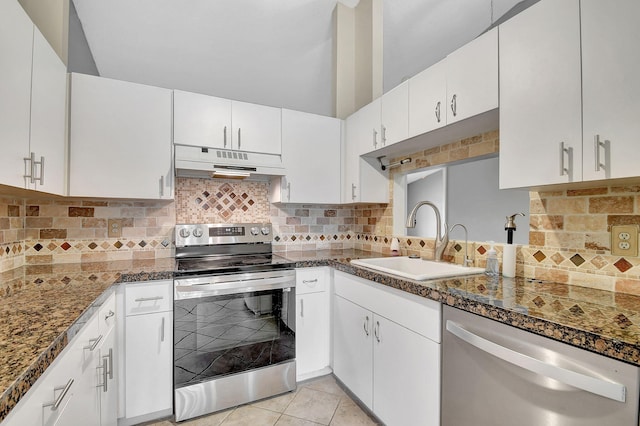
(441, 242)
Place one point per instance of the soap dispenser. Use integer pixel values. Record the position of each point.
(492, 268)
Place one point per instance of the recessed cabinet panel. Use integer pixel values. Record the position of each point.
(611, 88)
(540, 96)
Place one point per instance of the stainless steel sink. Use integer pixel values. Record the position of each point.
(416, 269)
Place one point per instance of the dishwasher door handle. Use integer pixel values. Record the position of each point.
(607, 389)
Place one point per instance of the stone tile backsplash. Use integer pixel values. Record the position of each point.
(568, 238)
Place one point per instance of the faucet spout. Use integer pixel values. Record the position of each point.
(441, 240)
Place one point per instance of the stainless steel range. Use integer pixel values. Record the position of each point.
(234, 318)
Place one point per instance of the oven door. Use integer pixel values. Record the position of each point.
(230, 324)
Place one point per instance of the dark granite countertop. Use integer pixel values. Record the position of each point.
(43, 306)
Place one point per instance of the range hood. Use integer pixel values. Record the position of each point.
(202, 162)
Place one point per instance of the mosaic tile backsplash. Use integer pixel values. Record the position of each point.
(568, 238)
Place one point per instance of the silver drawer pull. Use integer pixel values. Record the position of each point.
(104, 367)
(309, 281)
(149, 299)
(109, 315)
(93, 343)
(55, 404)
(366, 325)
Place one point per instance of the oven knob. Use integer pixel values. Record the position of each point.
(197, 232)
(255, 231)
(265, 231)
(184, 233)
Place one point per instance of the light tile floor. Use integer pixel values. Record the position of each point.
(317, 402)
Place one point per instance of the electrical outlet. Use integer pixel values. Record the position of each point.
(624, 240)
(114, 228)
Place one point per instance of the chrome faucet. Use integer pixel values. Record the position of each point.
(441, 242)
(467, 261)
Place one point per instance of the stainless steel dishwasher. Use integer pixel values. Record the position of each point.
(495, 374)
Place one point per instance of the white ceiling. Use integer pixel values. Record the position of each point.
(273, 52)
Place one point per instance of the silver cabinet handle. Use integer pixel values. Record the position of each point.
(104, 368)
(454, 105)
(353, 191)
(301, 308)
(366, 325)
(109, 315)
(149, 299)
(563, 150)
(162, 186)
(375, 138)
(35, 168)
(93, 343)
(611, 390)
(225, 137)
(376, 331)
(110, 356)
(438, 111)
(309, 281)
(288, 191)
(239, 138)
(162, 331)
(383, 136)
(32, 165)
(65, 389)
(597, 145)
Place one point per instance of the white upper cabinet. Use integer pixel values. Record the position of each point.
(540, 96)
(394, 110)
(463, 85)
(363, 179)
(48, 117)
(611, 88)
(311, 156)
(201, 120)
(427, 98)
(120, 139)
(256, 128)
(33, 88)
(472, 78)
(16, 41)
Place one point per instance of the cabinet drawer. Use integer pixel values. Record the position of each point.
(311, 280)
(148, 298)
(413, 312)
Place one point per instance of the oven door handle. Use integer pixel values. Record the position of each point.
(233, 287)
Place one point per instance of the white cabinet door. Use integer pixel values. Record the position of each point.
(256, 128)
(311, 155)
(427, 100)
(540, 96)
(148, 363)
(610, 87)
(201, 120)
(48, 117)
(120, 139)
(406, 375)
(312, 333)
(472, 78)
(108, 374)
(352, 348)
(363, 128)
(394, 112)
(16, 41)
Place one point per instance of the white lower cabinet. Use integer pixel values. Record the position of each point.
(148, 351)
(71, 391)
(386, 350)
(312, 323)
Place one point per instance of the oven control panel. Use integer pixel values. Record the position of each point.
(209, 234)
